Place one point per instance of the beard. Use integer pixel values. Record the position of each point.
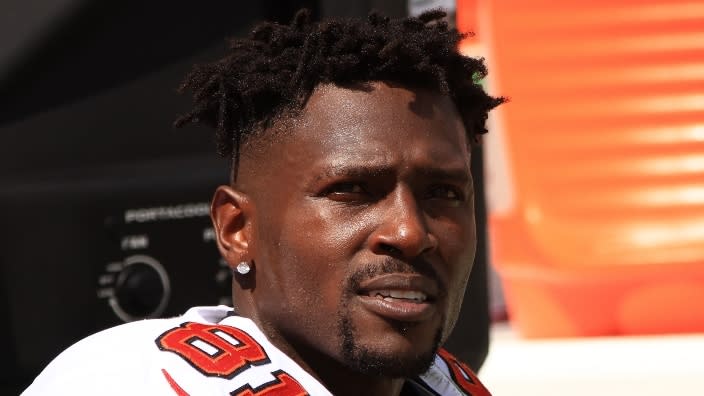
(368, 361)
(384, 364)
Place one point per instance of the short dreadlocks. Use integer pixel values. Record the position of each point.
(273, 72)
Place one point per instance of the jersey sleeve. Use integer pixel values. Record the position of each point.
(111, 362)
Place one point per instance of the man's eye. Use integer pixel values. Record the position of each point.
(346, 191)
(353, 188)
(447, 192)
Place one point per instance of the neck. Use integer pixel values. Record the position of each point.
(339, 379)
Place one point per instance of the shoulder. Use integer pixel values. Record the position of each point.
(205, 351)
(450, 376)
(122, 353)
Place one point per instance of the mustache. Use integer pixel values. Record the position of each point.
(390, 265)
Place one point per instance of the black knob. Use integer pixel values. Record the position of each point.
(141, 289)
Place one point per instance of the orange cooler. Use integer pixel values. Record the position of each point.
(595, 167)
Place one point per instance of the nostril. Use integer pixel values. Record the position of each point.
(390, 249)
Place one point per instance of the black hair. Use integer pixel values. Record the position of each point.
(272, 72)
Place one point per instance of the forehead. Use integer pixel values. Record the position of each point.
(362, 116)
(379, 124)
(378, 103)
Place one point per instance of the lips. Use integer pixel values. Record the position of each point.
(391, 294)
(400, 297)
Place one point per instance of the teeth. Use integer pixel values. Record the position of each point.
(399, 294)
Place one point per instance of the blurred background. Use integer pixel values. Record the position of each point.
(590, 273)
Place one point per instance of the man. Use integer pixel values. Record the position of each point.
(348, 222)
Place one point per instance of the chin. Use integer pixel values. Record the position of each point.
(407, 352)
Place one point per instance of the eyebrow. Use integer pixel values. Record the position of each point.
(456, 174)
(353, 171)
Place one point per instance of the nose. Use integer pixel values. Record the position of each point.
(403, 229)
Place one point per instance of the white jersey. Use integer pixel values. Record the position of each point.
(207, 351)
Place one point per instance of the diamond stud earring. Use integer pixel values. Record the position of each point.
(243, 268)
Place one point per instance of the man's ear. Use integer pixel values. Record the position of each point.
(231, 212)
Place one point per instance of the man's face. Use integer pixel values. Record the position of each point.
(363, 233)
